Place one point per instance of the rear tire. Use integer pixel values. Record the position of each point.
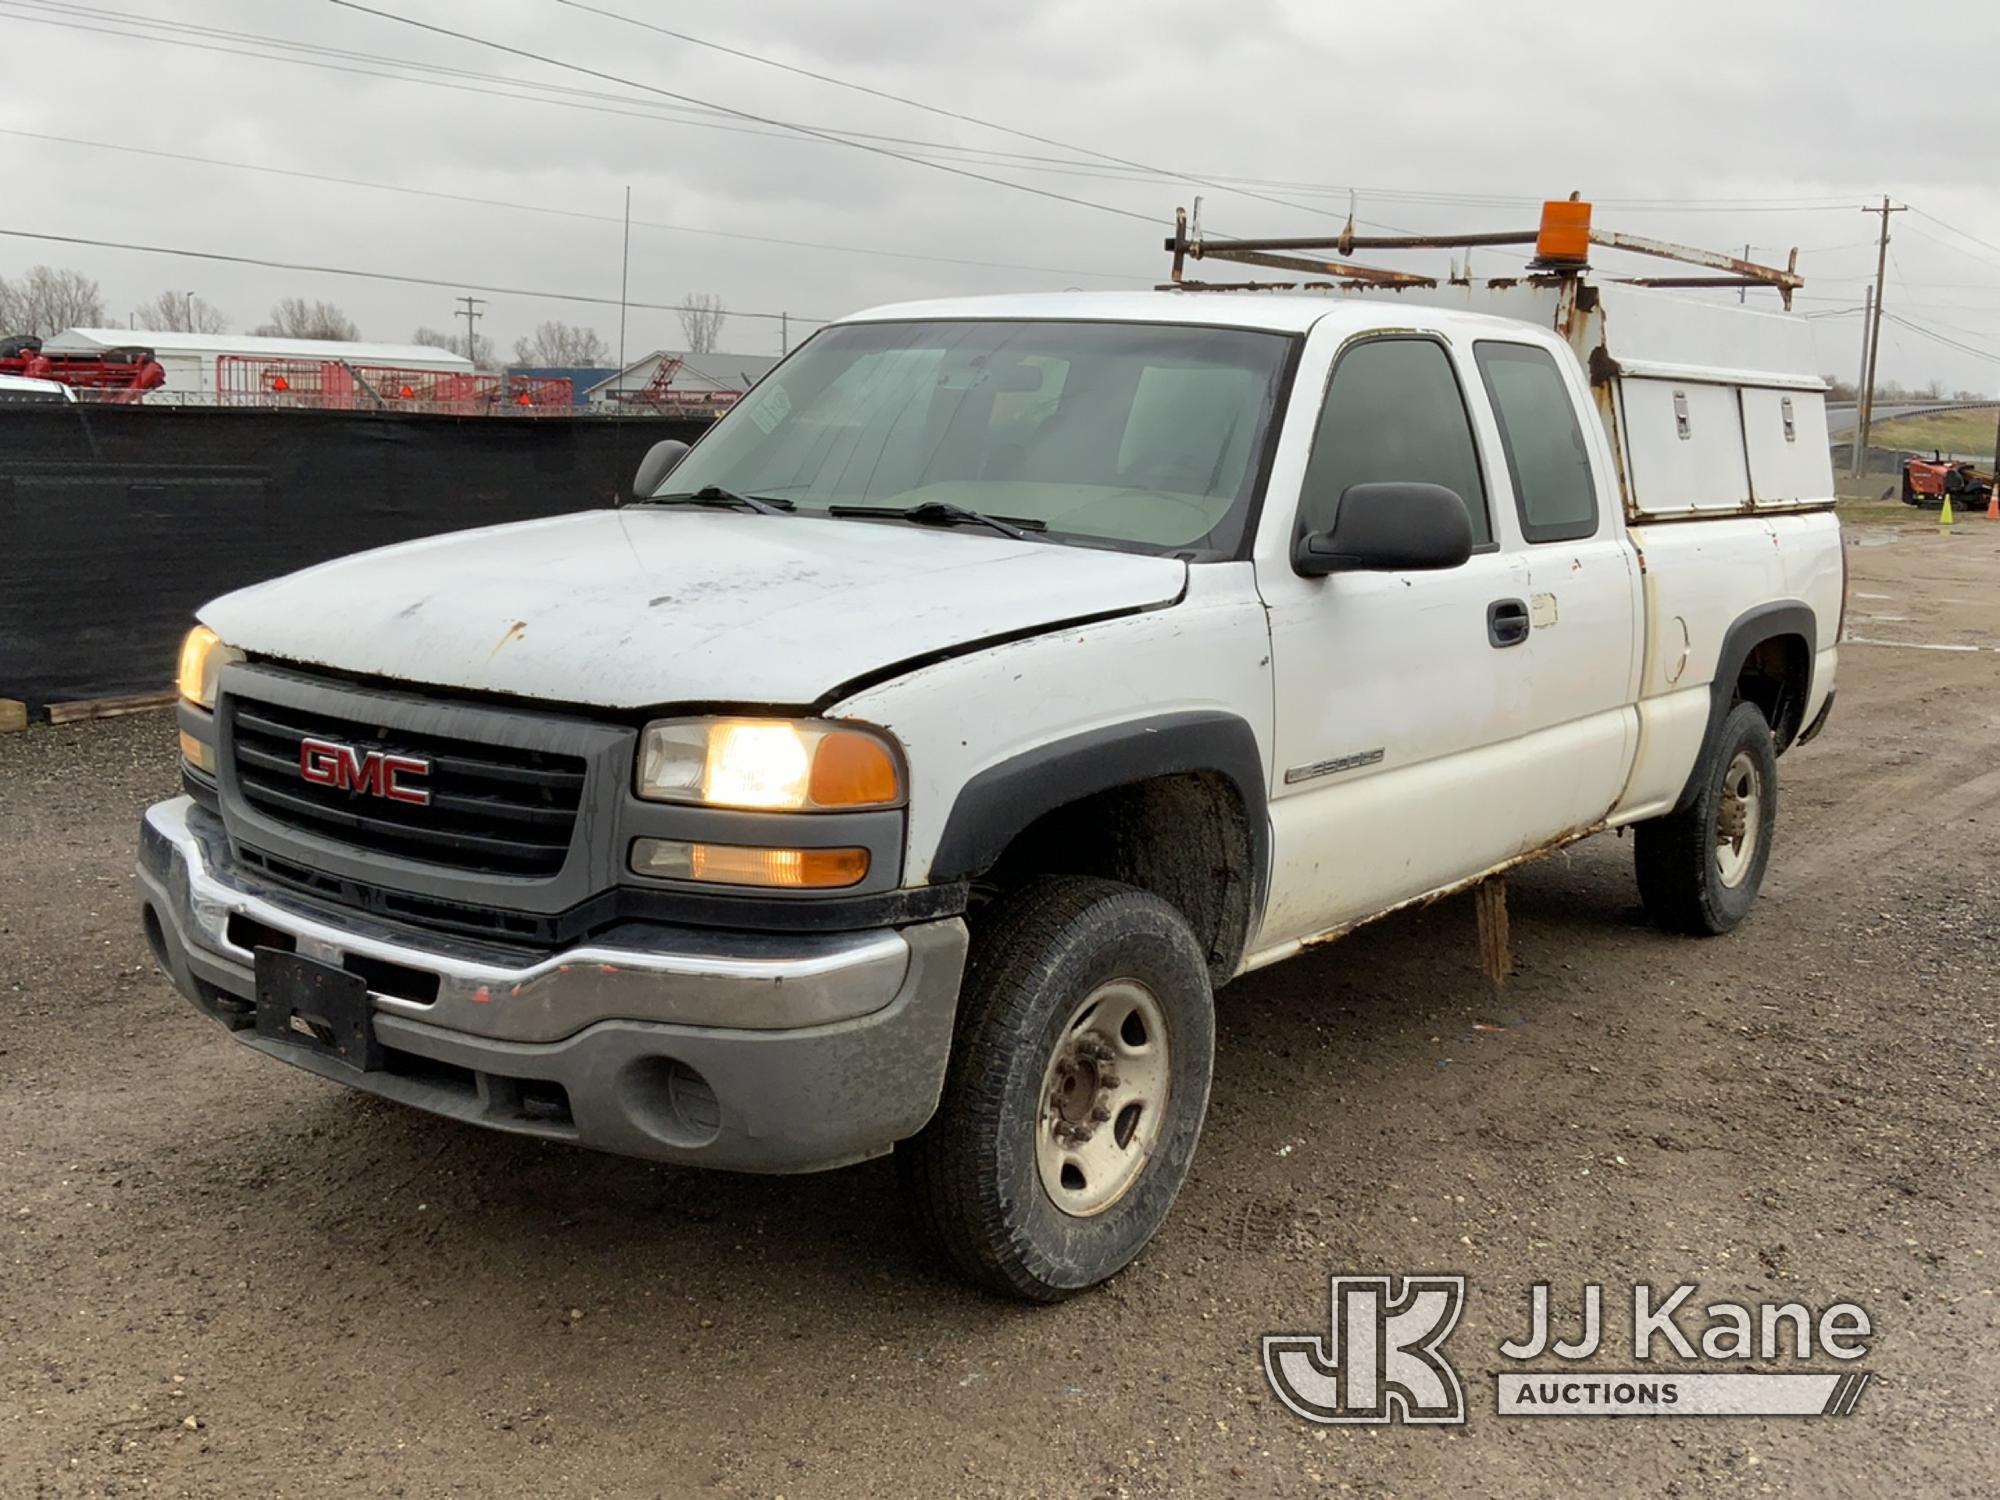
(1076, 1090)
(1700, 866)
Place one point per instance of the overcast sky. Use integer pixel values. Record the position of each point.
(1742, 122)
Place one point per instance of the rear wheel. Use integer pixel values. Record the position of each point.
(1700, 867)
(1078, 1082)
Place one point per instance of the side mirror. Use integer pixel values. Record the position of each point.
(658, 463)
(1389, 528)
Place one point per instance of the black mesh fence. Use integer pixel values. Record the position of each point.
(117, 522)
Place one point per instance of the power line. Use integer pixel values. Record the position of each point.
(575, 98)
(1987, 244)
(285, 265)
(135, 28)
(1984, 260)
(555, 94)
(464, 36)
(1939, 338)
(567, 213)
(949, 114)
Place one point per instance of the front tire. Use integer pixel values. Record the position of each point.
(1700, 867)
(1075, 1095)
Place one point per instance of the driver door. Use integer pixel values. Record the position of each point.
(1399, 695)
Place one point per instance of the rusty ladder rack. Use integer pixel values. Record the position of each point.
(1561, 247)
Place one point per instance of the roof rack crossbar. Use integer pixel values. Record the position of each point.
(1283, 253)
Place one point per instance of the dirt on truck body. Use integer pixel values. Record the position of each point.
(225, 1278)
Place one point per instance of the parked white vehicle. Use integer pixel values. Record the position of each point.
(912, 762)
(25, 390)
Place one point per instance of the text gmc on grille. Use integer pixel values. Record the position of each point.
(497, 809)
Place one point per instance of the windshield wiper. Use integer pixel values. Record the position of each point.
(944, 513)
(715, 494)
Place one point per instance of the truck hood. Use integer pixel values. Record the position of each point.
(644, 606)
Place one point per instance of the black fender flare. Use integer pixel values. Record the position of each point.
(1002, 800)
(1750, 630)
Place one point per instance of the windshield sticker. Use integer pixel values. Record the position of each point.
(772, 407)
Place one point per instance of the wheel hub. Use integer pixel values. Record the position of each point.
(1738, 814)
(1103, 1098)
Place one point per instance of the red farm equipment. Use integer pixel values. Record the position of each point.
(662, 395)
(115, 375)
(337, 385)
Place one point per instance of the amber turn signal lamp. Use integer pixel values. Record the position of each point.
(1565, 232)
(196, 754)
(852, 770)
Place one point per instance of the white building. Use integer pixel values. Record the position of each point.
(189, 358)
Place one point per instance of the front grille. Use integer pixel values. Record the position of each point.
(494, 809)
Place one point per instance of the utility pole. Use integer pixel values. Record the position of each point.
(624, 276)
(1743, 292)
(1861, 385)
(784, 333)
(1867, 412)
(470, 312)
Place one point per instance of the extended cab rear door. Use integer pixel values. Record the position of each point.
(1585, 642)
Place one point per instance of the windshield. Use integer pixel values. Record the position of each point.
(1142, 435)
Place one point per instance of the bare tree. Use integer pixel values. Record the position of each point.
(561, 344)
(701, 321)
(481, 352)
(49, 299)
(182, 312)
(296, 318)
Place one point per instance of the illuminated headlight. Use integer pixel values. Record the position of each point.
(775, 764)
(203, 656)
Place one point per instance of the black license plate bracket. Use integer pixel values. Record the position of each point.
(316, 1006)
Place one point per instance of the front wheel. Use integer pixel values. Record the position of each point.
(1078, 1082)
(1700, 866)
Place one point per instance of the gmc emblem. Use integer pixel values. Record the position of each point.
(376, 772)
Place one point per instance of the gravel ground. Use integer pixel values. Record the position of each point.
(225, 1277)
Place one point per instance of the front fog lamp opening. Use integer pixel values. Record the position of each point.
(776, 765)
(746, 865)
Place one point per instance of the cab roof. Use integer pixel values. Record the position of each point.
(1275, 312)
(1278, 312)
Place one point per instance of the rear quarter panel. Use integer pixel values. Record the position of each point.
(1700, 578)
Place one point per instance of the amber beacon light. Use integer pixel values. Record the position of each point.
(1565, 233)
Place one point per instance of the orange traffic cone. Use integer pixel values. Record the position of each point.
(1993, 502)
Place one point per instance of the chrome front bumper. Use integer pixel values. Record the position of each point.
(752, 1051)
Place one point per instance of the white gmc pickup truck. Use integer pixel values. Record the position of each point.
(907, 765)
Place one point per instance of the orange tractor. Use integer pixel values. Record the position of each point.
(1927, 481)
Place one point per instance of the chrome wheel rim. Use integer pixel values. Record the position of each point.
(1738, 819)
(1104, 1095)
